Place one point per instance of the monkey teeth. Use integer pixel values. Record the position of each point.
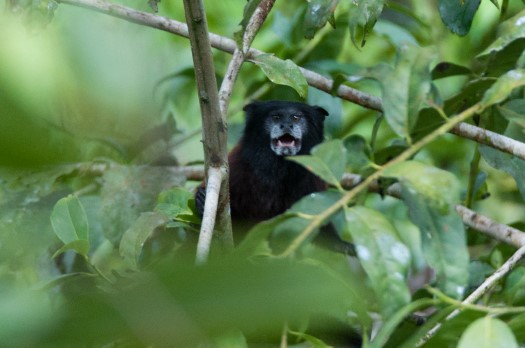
(286, 141)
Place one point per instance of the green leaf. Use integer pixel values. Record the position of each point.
(458, 14)
(383, 256)
(507, 163)
(503, 86)
(487, 332)
(174, 202)
(69, 221)
(317, 14)
(134, 238)
(282, 72)
(431, 194)
(405, 87)
(358, 154)
(333, 153)
(328, 161)
(316, 166)
(508, 31)
(364, 17)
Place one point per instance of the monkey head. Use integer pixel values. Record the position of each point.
(287, 128)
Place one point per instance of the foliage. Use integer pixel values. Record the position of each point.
(97, 220)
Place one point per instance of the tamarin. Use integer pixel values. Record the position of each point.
(263, 183)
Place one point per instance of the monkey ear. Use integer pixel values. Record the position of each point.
(251, 107)
(321, 110)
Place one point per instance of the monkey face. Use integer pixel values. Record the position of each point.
(281, 128)
(286, 128)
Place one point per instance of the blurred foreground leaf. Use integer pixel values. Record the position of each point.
(188, 305)
(487, 332)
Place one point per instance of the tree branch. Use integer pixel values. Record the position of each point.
(503, 233)
(314, 79)
(215, 130)
(492, 139)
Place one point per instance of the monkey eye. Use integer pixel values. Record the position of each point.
(276, 117)
(296, 117)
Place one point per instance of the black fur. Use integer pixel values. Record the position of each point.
(263, 183)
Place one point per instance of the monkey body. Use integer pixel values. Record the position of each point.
(262, 182)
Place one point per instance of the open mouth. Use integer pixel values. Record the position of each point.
(285, 140)
(286, 145)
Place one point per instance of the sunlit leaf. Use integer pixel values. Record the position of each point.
(487, 332)
(134, 238)
(383, 256)
(508, 31)
(431, 194)
(317, 14)
(458, 15)
(282, 72)
(70, 224)
(501, 89)
(364, 16)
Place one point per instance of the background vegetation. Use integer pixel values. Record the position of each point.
(100, 132)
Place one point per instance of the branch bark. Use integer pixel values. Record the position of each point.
(215, 130)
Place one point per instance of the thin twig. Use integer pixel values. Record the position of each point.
(480, 291)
